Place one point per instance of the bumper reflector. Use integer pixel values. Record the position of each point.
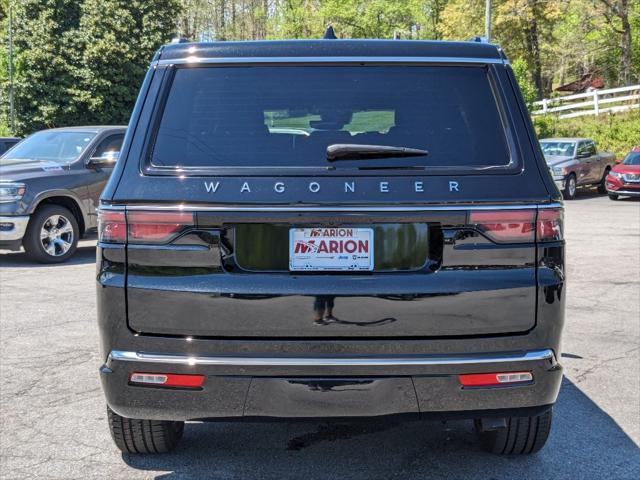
(492, 379)
(167, 379)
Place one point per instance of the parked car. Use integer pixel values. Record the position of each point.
(50, 184)
(575, 162)
(406, 257)
(624, 178)
(7, 142)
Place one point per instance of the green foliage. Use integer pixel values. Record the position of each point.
(528, 89)
(82, 62)
(118, 39)
(615, 133)
(45, 62)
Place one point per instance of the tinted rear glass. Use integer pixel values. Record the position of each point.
(286, 116)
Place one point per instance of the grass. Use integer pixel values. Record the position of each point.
(616, 133)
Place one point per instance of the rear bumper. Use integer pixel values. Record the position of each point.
(323, 387)
(12, 229)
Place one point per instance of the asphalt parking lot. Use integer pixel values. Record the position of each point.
(54, 420)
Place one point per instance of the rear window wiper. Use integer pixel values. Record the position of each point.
(354, 151)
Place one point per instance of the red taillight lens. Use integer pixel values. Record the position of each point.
(519, 226)
(112, 227)
(494, 379)
(167, 380)
(550, 225)
(505, 226)
(157, 227)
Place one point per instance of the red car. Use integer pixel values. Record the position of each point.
(624, 178)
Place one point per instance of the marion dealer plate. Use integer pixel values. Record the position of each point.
(331, 249)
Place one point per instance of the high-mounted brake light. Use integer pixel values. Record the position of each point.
(156, 227)
(494, 379)
(112, 227)
(167, 380)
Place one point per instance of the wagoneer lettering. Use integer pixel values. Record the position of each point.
(380, 238)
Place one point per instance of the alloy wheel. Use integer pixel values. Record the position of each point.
(56, 235)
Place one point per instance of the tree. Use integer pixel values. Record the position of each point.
(46, 63)
(370, 18)
(528, 89)
(118, 40)
(616, 13)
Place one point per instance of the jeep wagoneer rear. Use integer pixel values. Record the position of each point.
(330, 229)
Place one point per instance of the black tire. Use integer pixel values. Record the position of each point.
(602, 187)
(144, 436)
(523, 435)
(33, 244)
(613, 196)
(569, 192)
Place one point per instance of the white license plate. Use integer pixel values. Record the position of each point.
(331, 249)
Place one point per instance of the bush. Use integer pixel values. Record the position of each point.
(616, 133)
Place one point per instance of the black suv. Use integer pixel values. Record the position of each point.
(330, 229)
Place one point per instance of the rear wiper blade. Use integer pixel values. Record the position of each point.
(354, 151)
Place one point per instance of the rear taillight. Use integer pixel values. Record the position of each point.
(142, 227)
(550, 225)
(519, 226)
(157, 227)
(112, 227)
(505, 226)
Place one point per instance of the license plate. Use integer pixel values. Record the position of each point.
(331, 249)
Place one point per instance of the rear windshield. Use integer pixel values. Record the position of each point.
(286, 116)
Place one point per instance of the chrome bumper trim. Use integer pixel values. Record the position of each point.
(328, 208)
(426, 360)
(18, 230)
(630, 193)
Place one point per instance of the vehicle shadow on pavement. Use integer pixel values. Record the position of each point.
(585, 443)
(84, 255)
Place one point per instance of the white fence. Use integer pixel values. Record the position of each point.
(592, 103)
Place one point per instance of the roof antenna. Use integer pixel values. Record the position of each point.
(329, 34)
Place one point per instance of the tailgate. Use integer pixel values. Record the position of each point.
(433, 273)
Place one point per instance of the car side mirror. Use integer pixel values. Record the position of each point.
(618, 160)
(583, 155)
(107, 160)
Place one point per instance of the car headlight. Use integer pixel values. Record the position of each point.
(11, 192)
(558, 170)
(615, 174)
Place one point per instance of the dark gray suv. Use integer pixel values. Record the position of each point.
(50, 184)
(330, 229)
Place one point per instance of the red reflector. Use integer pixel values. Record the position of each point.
(156, 227)
(550, 225)
(492, 379)
(112, 227)
(505, 226)
(167, 379)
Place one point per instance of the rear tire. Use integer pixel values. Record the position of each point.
(522, 436)
(144, 436)
(602, 187)
(613, 196)
(570, 187)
